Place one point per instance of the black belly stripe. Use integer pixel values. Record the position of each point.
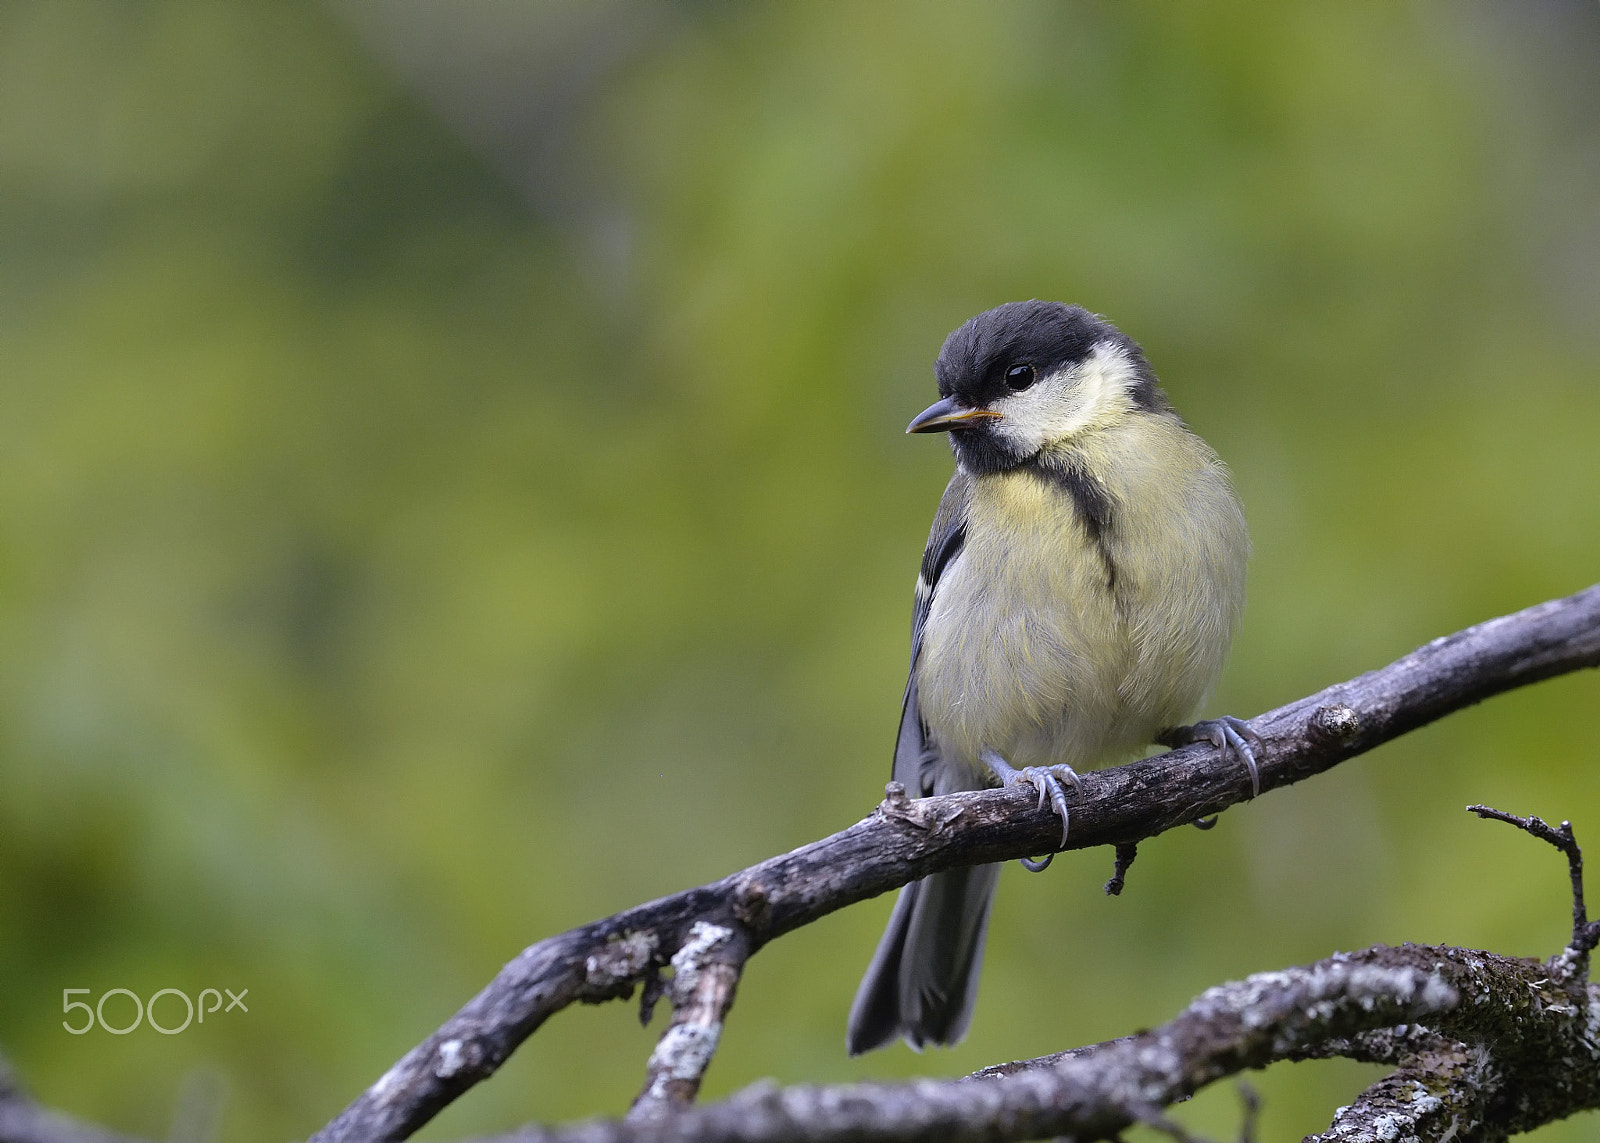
(1094, 507)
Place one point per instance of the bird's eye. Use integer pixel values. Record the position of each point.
(1019, 377)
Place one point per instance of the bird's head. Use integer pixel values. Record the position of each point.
(1025, 376)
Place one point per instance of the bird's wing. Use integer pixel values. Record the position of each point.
(915, 756)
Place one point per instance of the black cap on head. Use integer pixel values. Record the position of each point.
(1047, 335)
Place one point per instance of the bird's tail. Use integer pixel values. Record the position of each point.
(923, 979)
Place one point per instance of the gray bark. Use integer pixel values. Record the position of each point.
(1485, 1046)
(1490, 1046)
(904, 840)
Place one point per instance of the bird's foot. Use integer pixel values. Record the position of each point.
(1046, 780)
(1229, 735)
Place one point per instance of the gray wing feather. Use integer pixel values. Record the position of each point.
(923, 978)
(916, 758)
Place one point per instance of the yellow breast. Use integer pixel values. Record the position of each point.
(1049, 646)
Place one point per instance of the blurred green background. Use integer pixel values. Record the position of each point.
(453, 487)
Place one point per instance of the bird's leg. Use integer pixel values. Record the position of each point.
(1047, 781)
(1227, 734)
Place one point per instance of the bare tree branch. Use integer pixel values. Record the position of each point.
(1250, 1102)
(904, 840)
(1448, 1089)
(1445, 1094)
(1585, 935)
(705, 975)
(1526, 1024)
(1126, 852)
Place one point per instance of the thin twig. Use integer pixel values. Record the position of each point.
(1158, 1121)
(1585, 936)
(1125, 854)
(705, 976)
(1250, 1105)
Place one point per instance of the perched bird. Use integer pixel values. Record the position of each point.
(1078, 594)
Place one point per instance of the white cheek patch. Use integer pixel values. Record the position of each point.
(1093, 392)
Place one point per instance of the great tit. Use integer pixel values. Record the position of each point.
(1080, 588)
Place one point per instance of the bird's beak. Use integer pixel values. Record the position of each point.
(942, 416)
